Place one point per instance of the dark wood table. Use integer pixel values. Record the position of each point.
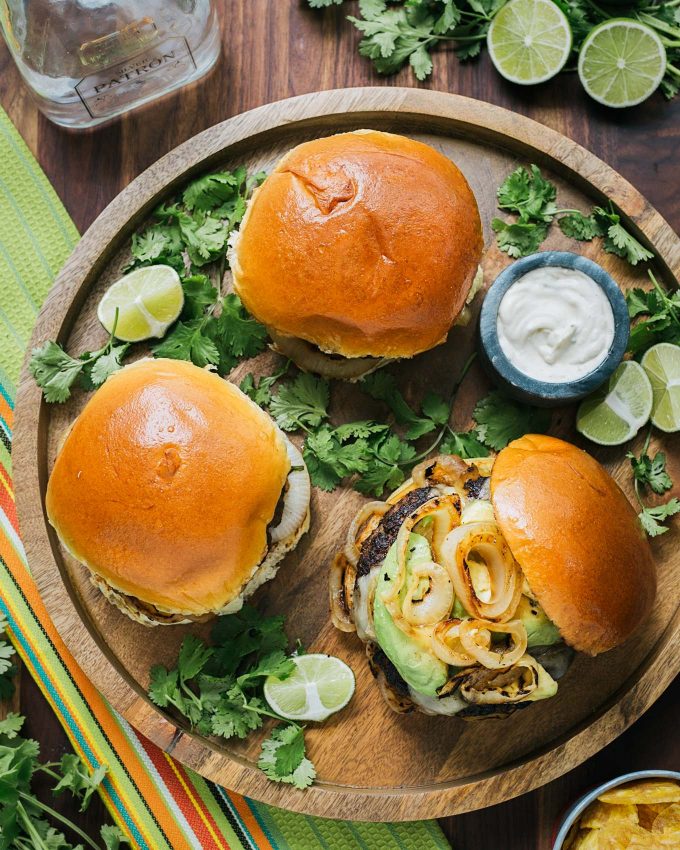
(278, 48)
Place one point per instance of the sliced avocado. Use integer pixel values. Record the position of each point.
(540, 630)
(416, 663)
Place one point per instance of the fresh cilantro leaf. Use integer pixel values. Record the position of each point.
(283, 757)
(10, 726)
(652, 519)
(193, 656)
(651, 472)
(153, 243)
(637, 302)
(385, 471)
(211, 190)
(302, 403)
(617, 240)
(329, 460)
(501, 420)
(239, 334)
(260, 390)
(277, 664)
(76, 777)
(236, 715)
(382, 386)
(465, 444)
(199, 294)
(164, 685)
(189, 341)
(324, 4)
(112, 837)
(528, 194)
(204, 236)
(575, 225)
(106, 364)
(519, 239)
(54, 371)
(363, 428)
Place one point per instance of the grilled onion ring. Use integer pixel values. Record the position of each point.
(474, 635)
(485, 540)
(437, 601)
(361, 526)
(445, 511)
(447, 647)
(493, 687)
(340, 589)
(447, 470)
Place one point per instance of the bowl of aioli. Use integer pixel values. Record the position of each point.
(553, 327)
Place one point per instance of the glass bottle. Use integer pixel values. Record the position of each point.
(87, 61)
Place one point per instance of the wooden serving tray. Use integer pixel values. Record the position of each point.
(372, 764)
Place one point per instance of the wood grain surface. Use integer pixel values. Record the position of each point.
(274, 49)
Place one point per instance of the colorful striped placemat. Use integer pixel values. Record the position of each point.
(160, 804)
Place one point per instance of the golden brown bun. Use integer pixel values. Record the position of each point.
(577, 539)
(364, 244)
(166, 483)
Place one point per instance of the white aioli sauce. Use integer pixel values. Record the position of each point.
(555, 325)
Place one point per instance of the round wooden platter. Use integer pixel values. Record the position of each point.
(372, 764)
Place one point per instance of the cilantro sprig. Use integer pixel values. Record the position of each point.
(26, 822)
(192, 231)
(532, 198)
(219, 689)
(56, 372)
(658, 315)
(650, 472)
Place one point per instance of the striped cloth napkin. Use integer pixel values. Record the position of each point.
(160, 804)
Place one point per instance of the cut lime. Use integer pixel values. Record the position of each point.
(616, 412)
(621, 62)
(529, 41)
(148, 301)
(320, 686)
(662, 365)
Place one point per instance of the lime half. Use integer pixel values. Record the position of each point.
(320, 686)
(529, 41)
(617, 411)
(621, 62)
(148, 301)
(662, 365)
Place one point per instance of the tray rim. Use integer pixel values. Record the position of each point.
(63, 304)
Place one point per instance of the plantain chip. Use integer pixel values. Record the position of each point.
(624, 836)
(647, 813)
(644, 791)
(666, 826)
(600, 814)
(586, 839)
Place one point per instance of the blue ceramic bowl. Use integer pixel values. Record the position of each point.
(578, 808)
(508, 376)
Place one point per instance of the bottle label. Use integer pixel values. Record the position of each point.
(106, 92)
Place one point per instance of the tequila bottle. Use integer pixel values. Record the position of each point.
(87, 61)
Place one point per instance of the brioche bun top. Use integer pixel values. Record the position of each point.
(166, 483)
(363, 244)
(577, 539)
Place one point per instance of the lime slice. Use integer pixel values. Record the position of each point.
(662, 365)
(148, 301)
(529, 41)
(621, 62)
(320, 686)
(617, 411)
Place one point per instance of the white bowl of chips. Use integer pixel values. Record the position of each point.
(635, 811)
